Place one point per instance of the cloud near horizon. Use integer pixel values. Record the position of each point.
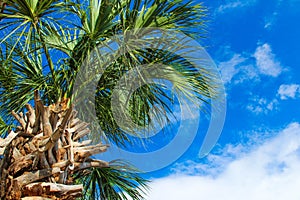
(268, 171)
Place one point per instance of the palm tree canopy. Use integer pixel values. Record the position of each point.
(43, 45)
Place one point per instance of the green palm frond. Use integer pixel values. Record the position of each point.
(24, 15)
(19, 77)
(119, 181)
(4, 128)
(180, 15)
(62, 39)
(187, 79)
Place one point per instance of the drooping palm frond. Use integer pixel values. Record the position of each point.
(119, 181)
(187, 79)
(133, 15)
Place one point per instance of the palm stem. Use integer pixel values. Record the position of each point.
(47, 54)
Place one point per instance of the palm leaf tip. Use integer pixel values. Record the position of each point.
(120, 181)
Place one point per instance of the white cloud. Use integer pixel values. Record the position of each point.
(237, 70)
(289, 91)
(214, 164)
(241, 67)
(269, 171)
(262, 105)
(266, 61)
(234, 4)
(247, 72)
(229, 68)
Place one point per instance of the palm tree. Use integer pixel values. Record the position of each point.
(45, 43)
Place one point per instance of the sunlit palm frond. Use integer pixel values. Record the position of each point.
(189, 80)
(119, 181)
(22, 16)
(186, 16)
(19, 77)
(62, 39)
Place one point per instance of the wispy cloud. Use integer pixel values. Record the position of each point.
(289, 91)
(266, 61)
(234, 4)
(238, 69)
(214, 163)
(267, 171)
(270, 21)
(242, 67)
(262, 105)
(230, 68)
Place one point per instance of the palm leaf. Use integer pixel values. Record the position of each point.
(119, 181)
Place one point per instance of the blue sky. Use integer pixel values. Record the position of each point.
(255, 44)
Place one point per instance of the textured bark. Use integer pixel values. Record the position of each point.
(40, 157)
(43, 189)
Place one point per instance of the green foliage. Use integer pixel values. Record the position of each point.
(119, 181)
(43, 45)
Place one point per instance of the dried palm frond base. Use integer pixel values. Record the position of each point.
(40, 157)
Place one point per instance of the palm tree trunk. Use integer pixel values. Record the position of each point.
(41, 155)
